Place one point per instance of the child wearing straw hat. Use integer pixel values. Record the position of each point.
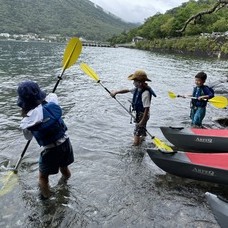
(141, 102)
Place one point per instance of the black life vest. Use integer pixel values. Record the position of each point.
(137, 104)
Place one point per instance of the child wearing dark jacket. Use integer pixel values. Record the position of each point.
(42, 118)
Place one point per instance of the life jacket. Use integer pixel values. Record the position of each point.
(137, 104)
(201, 91)
(52, 127)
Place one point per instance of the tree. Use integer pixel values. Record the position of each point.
(216, 7)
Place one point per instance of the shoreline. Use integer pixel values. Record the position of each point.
(192, 46)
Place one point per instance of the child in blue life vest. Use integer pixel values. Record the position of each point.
(42, 119)
(141, 102)
(201, 93)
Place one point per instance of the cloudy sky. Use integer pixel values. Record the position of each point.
(137, 10)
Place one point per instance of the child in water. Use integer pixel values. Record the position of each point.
(201, 93)
(42, 119)
(141, 102)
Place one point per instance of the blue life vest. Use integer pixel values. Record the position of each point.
(201, 91)
(52, 127)
(137, 104)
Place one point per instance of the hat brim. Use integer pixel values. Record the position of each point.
(42, 95)
(32, 101)
(132, 77)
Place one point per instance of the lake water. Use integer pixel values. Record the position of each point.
(113, 184)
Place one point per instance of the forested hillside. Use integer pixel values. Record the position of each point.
(167, 25)
(64, 17)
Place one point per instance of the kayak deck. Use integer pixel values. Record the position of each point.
(195, 139)
(215, 160)
(193, 165)
(211, 132)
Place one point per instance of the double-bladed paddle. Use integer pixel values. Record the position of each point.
(91, 73)
(71, 54)
(217, 101)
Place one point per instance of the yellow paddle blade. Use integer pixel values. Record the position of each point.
(219, 101)
(172, 95)
(161, 145)
(72, 52)
(8, 181)
(89, 71)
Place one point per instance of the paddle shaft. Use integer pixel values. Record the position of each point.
(117, 101)
(58, 81)
(64, 68)
(194, 98)
(217, 101)
(22, 155)
(56, 84)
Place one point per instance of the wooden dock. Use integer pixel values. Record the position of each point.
(95, 44)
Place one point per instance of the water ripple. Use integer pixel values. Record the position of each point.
(113, 184)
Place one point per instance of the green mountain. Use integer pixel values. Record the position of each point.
(65, 17)
(166, 25)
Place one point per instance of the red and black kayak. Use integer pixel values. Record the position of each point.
(195, 139)
(211, 167)
(219, 207)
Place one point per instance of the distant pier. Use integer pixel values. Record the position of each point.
(95, 44)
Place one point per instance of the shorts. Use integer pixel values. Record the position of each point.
(139, 131)
(52, 159)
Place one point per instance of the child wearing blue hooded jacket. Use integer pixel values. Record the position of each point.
(201, 93)
(42, 119)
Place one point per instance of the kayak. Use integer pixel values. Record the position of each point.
(223, 121)
(219, 208)
(210, 167)
(197, 139)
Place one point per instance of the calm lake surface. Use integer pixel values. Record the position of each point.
(113, 184)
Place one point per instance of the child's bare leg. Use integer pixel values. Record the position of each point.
(137, 140)
(65, 174)
(44, 186)
(142, 138)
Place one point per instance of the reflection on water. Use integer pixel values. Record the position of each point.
(113, 184)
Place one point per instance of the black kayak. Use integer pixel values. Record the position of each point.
(195, 139)
(211, 167)
(223, 121)
(219, 208)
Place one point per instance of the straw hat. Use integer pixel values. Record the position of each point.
(139, 75)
